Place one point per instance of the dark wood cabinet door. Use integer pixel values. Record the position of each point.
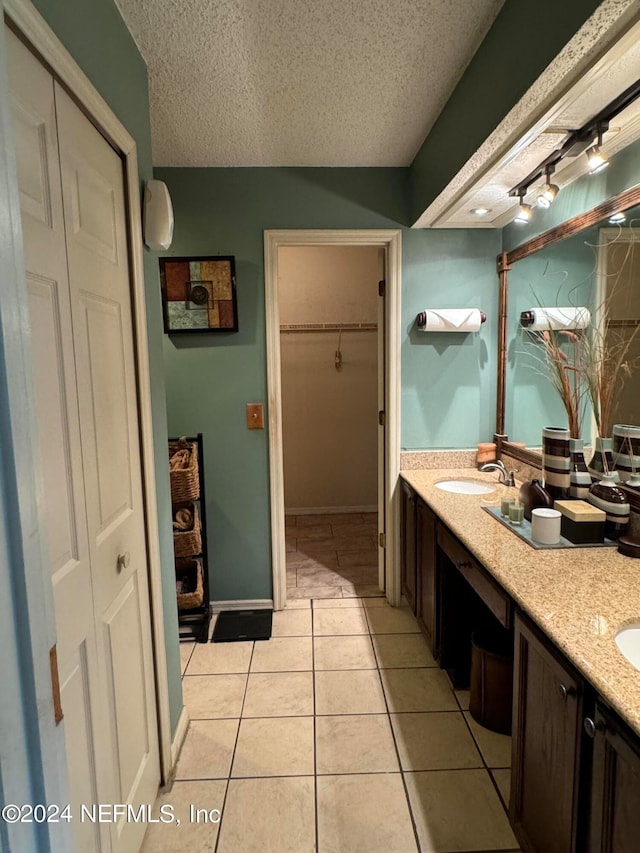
(426, 562)
(615, 792)
(547, 726)
(408, 555)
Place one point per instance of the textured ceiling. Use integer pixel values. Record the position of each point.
(301, 82)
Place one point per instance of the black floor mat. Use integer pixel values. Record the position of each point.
(233, 626)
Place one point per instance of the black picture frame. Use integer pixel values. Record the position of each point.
(199, 294)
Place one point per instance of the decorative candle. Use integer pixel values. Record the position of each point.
(516, 512)
(505, 503)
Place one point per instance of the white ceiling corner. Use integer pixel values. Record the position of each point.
(301, 82)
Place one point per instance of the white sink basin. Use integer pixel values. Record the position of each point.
(465, 487)
(628, 641)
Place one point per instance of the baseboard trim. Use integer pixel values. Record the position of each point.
(177, 743)
(327, 510)
(245, 604)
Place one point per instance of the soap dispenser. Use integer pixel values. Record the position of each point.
(533, 495)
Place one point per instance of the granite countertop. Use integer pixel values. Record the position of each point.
(579, 597)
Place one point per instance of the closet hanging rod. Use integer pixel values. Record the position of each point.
(328, 327)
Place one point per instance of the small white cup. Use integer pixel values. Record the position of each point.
(545, 525)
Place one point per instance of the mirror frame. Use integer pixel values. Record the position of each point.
(505, 260)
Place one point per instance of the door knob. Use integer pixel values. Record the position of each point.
(123, 561)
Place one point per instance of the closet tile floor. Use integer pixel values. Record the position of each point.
(332, 556)
(340, 734)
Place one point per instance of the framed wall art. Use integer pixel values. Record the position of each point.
(199, 294)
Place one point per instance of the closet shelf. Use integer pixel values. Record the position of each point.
(328, 327)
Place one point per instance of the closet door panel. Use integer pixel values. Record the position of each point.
(62, 504)
(95, 217)
(106, 374)
(126, 683)
(76, 698)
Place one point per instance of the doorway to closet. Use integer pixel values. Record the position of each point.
(324, 374)
(330, 301)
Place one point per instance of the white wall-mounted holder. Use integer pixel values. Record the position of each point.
(158, 215)
(555, 319)
(450, 320)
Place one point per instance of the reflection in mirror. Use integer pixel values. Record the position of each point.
(598, 268)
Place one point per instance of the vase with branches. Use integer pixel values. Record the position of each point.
(563, 357)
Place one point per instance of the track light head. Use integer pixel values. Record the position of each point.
(596, 159)
(548, 195)
(523, 216)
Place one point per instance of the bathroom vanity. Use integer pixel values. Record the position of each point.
(575, 782)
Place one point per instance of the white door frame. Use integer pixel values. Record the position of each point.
(391, 241)
(28, 21)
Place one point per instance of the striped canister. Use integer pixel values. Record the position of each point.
(556, 462)
(626, 450)
(607, 496)
(580, 476)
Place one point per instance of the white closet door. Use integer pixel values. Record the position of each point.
(99, 276)
(63, 498)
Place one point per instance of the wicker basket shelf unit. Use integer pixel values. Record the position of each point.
(186, 475)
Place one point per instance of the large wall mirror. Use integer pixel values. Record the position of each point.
(583, 262)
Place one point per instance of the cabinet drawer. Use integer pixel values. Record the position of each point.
(489, 590)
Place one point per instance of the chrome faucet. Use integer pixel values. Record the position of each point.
(506, 477)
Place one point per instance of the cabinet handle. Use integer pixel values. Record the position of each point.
(465, 564)
(566, 692)
(591, 728)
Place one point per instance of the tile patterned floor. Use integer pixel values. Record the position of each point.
(339, 735)
(332, 556)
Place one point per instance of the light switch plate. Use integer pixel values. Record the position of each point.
(255, 416)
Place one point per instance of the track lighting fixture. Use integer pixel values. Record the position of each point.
(549, 192)
(587, 138)
(523, 215)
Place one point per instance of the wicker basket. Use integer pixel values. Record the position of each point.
(185, 485)
(187, 543)
(192, 569)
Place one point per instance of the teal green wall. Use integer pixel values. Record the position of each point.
(448, 385)
(96, 36)
(523, 40)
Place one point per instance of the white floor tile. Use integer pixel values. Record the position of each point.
(417, 690)
(189, 836)
(283, 654)
(349, 692)
(209, 697)
(274, 746)
(207, 750)
(291, 623)
(216, 658)
(458, 810)
(279, 694)
(347, 652)
(271, 815)
(495, 748)
(364, 814)
(342, 620)
(434, 741)
(355, 744)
